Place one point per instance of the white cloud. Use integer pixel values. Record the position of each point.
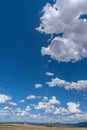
(13, 103)
(75, 118)
(73, 107)
(53, 113)
(63, 17)
(52, 106)
(38, 97)
(18, 114)
(31, 97)
(80, 85)
(22, 113)
(49, 74)
(4, 98)
(45, 98)
(38, 85)
(7, 108)
(62, 49)
(22, 101)
(60, 110)
(47, 105)
(28, 108)
(54, 101)
(49, 61)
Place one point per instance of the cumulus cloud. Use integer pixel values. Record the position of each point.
(53, 112)
(12, 103)
(80, 85)
(7, 108)
(20, 112)
(38, 85)
(60, 110)
(45, 98)
(48, 105)
(52, 106)
(33, 97)
(21, 101)
(54, 101)
(4, 98)
(49, 74)
(43, 105)
(73, 107)
(64, 17)
(75, 118)
(28, 108)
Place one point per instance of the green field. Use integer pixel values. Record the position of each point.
(32, 127)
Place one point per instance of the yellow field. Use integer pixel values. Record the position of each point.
(32, 127)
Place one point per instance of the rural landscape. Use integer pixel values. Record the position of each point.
(17, 126)
(32, 127)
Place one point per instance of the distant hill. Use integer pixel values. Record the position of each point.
(80, 124)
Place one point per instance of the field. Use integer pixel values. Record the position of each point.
(32, 127)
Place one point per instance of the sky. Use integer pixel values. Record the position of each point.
(43, 61)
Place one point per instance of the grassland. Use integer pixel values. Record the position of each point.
(33, 127)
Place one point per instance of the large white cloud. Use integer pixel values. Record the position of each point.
(63, 16)
(80, 85)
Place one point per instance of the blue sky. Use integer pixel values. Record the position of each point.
(43, 76)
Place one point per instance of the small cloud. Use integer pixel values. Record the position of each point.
(54, 101)
(20, 112)
(60, 110)
(38, 86)
(49, 74)
(45, 98)
(7, 108)
(31, 97)
(39, 97)
(49, 61)
(84, 96)
(28, 108)
(21, 101)
(4, 98)
(12, 104)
